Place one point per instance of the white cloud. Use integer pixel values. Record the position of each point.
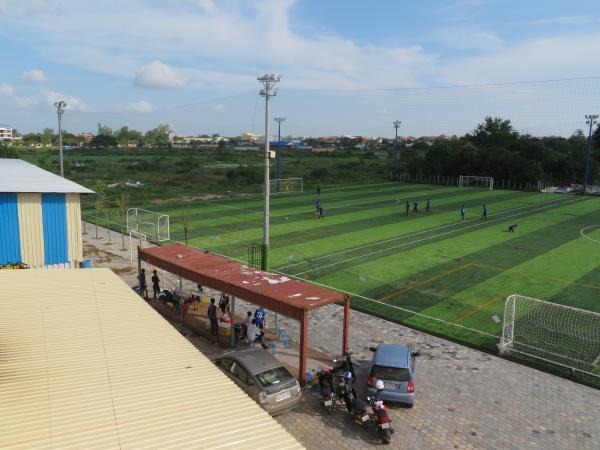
(468, 38)
(33, 76)
(73, 103)
(218, 108)
(141, 106)
(7, 90)
(158, 75)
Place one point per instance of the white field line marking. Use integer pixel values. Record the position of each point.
(353, 294)
(430, 237)
(402, 236)
(582, 232)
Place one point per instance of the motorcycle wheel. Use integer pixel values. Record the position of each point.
(387, 436)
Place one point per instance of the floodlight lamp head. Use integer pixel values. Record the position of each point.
(60, 106)
(397, 123)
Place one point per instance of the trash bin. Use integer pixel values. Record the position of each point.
(86, 264)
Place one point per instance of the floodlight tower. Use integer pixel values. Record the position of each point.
(591, 120)
(395, 160)
(60, 109)
(268, 81)
(279, 120)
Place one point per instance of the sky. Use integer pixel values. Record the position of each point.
(347, 67)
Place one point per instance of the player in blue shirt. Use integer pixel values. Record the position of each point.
(259, 317)
(462, 212)
(321, 214)
(408, 208)
(317, 206)
(416, 207)
(428, 206)
(484, 213)
(512, 227)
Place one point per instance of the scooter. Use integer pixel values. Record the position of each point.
(359, 411)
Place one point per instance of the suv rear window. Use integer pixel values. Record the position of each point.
(275, 376)
(390, 373)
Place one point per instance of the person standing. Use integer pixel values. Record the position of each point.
(155, 284)
(428, 206)
(407, 208)
(317, 206)
(212, 316)
(246, 324)
(223, 303)
(259, 317)
(416, 207)
(321, 213)
(462, 212)
(143, 285)
(484, 213)
(251, 333)
(318, 192)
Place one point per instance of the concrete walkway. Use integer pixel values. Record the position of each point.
(466, 399)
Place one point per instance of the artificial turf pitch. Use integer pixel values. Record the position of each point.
(431, 271)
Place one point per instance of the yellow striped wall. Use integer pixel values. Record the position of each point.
(31, 228)
(74, 239)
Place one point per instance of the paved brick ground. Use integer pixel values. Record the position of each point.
(465, 399)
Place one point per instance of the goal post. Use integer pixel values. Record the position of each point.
(153, 225)
(283, 185)
(476, 182)
(556, 334)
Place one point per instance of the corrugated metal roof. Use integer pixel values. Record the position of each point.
(20, 176)
(86, 363)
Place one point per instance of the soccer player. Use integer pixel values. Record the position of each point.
(318, 192)
(416, 207)
(462, 212)
(408, 208)
(512, 227)
(484, 213)
(428, 206)
(317, 206)
(321, 214)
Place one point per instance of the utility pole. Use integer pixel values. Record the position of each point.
(279, 120)
(591, 120)
(395, 160)
(268, 81)
(60, 109)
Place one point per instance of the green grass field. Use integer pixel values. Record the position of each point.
(430, 271)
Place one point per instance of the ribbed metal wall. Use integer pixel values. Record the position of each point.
(74, 227)
(10, 248)
(54, 216)
(31, 230)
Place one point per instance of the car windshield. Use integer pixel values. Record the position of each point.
(390, 373)
(273, 377)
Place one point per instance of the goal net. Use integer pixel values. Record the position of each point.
(283, 185)
(476, 182)
(553, 333)
(152, 225)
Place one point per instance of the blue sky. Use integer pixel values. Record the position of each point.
(193, 64)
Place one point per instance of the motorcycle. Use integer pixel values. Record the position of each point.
(326, 385)
(380, 415)
(359, 411)
(344, 382)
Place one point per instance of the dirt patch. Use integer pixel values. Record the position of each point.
(122, 270)
(186, 198)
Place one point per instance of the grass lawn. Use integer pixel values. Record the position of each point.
(431, 271)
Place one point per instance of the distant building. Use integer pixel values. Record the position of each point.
(251, 137)
(40, 216)
(6, 133)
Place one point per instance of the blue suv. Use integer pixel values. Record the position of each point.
(395, 365)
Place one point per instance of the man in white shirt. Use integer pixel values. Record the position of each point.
(251, 332)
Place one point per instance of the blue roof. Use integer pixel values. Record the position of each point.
(391, 355)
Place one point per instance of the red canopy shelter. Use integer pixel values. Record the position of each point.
(291, 297)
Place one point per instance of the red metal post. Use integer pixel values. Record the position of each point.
(346, 323)
(303, 347)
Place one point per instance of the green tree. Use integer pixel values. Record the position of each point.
(493, 132)
(104, 130)
(47, 136)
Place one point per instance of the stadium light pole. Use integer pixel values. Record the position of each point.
(591, 120)
(268, 90)
(60, 109)
(395, 161)
(279, 120)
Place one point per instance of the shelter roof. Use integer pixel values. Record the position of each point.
(20, 176)
(273, 291)
(86, 363)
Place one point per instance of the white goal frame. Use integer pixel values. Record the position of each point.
(138, 220)
(479, 182)
(277, 185)
(563, 325)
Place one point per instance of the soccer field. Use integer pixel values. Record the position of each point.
(431, 271)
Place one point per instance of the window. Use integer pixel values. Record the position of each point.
(274, 376)
(241, 374)
(390, 373)
(225, 363)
